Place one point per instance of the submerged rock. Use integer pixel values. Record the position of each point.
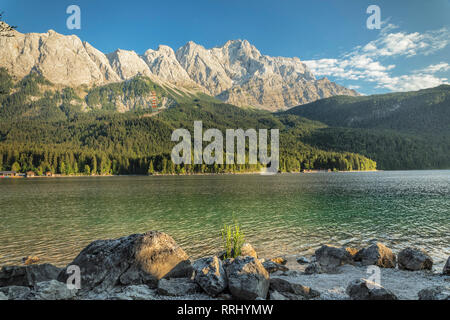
(446, 269)
(131, 260)
(177, 287)
(27, 276)
(330, 257)
(210, 275)
(414, 260)
(377, 254)
(435, 293)
(291, 290)
(247, 278)
(53, 290)
(362, 289)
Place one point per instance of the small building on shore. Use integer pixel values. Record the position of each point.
(30, 174)
(48, 174)
(8, 174)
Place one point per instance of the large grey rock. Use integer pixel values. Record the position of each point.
(247, 278)
(132, 260)
(3, 296)
(27, 275)
(291, 290)
(53, 290)
(330, 257)
(210, 275)
(446, 269)
(177, 287)
(272, 267)
(16, 292)
(436, 293)
(362, 289)
(414, 260)
(377, 254)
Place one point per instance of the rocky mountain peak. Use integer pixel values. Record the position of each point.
(236, 72)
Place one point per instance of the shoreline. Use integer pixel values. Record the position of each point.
(185, 174)
(168, 273)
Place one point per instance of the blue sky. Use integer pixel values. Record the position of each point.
(411, 51)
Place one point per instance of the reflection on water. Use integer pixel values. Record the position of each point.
(283, 214)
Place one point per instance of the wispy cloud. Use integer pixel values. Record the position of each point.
(364, 62)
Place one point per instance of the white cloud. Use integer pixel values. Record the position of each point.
(362, 62)
(412, 82)
(434, 68)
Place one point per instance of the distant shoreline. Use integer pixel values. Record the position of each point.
(183, 174)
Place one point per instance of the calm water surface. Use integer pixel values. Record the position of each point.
(283, 214)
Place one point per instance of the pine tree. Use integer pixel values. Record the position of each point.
(151, 169)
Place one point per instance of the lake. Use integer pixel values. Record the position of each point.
(54, 218)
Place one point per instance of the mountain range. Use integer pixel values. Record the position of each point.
(235, 73)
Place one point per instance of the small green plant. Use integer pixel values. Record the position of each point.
(233, 239)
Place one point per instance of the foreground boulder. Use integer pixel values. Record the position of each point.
(247, 278)
(16, 292)
(210, 275)
(27, 276)
(177, 287)
(132, 260)
(362, 289)
(377, 254)
(330, 257)
(53, 290)
(446, 269)
(414, 260)
(290, 290)
(3, 296)
(436, 293)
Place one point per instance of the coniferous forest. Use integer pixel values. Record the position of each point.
(112, 129)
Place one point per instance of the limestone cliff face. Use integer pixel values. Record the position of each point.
(236, 73)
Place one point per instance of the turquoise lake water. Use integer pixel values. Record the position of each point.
(282, 214)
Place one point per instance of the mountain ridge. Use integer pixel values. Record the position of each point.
(235, 73)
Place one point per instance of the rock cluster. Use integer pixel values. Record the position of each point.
(151, 266)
